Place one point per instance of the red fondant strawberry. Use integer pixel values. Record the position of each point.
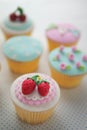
(13, 17)
(22, 17)
(28, 86)
(43, 88)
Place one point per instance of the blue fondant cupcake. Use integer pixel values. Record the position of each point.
(17, 24)
(68, 66)
(22, 53)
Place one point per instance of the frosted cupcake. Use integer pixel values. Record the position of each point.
(22, 54)
(35, 97)
(68, 66)
(62, 34)
(17, 23)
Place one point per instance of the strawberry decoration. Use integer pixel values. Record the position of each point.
(29, 85)
(43, 88)
(21, 17)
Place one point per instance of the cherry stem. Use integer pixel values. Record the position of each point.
(20, 10)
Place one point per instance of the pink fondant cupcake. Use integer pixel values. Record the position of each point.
(62, 34)
(35, 96)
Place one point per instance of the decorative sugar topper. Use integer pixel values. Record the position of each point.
(63, 30)
(29, 85)
(70, 59)
(21, 17)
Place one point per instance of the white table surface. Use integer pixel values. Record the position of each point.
(71, 112)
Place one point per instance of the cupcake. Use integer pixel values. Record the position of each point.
(22, 54)
(62, 34)
(35, 97)
(68, 66)
(17, 23)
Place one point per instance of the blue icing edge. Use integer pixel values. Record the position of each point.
(22, 48)
(64, 59)
(21, 27)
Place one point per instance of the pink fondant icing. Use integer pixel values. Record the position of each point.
(85, 57)
(65, 33)
(71, 57)
(58, 56)
(61, 48)
(24, 99)
(62, 66)
(78, 64)
(74, 48)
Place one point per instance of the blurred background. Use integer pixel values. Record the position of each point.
(72, 108)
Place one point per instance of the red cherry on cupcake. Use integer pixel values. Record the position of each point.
(43, 88)
(13, 17)
(22, 17)
(28, 86)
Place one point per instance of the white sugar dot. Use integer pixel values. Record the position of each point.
(27, 54)
(11, 48)
(62, 30)
(34, 45)
(38, 52)
(24, 46)
(34, 98)
(19, 39)
(14, 56)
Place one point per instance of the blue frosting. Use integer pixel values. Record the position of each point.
(20, 27)
(22, 48)
(71, 68)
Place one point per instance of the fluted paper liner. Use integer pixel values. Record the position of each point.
(53, 44)
(33, 117)
(23, 67)
(66, 81)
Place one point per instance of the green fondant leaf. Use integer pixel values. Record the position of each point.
(68, 67)
(52, 26)
(36, 78)
(54, 59)
(43, 81)
(38, 82)
(67, 54)
(82, 68)
(77, 51)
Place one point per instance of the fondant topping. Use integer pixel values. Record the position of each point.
(62, 66)
(71, 57)
(58, 57)
(72, 61)
(21, 17)
(29, 85)
(85, 58)
(63, 33)
(17, 22)
(61, 48)
(35, 97)
(18, 26)
(22, 48)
